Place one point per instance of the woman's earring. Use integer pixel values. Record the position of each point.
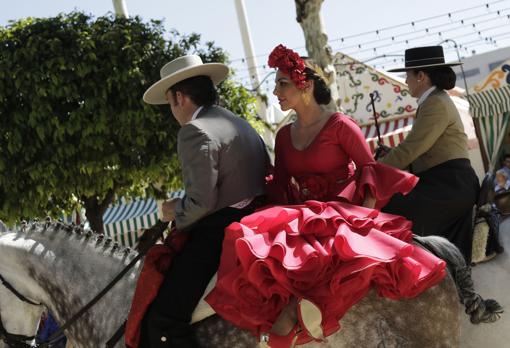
(306, 98)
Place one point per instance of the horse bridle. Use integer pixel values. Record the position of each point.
(15, 340)
(19, 341)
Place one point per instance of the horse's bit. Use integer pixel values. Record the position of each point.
(15, 340)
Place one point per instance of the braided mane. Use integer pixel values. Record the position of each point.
(97, 240)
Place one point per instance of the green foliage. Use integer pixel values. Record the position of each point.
(74, 128)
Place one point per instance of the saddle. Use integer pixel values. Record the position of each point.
(203, 309)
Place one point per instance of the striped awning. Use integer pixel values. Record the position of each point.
(491, 109)
(393, 132)
(493, 102)
(124, 222)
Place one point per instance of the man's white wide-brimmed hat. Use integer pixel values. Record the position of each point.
(180, 69)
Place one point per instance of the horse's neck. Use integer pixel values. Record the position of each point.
(68, 269)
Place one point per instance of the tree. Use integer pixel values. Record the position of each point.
(309, 17)
(75, 131)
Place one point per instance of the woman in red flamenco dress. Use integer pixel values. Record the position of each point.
(316, 253)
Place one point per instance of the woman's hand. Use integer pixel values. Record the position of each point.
(168, 209)
(295, 191)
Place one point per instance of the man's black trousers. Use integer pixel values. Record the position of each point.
(166, 323)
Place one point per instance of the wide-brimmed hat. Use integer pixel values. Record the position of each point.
(180, 69)
(424, 57)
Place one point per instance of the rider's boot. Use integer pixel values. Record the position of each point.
(310, 319)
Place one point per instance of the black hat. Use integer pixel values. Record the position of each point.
(423, 57)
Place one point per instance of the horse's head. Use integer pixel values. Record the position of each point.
(63, 266)
(17, 317)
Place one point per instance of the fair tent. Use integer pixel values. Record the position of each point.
(490, 107)
(125, 221)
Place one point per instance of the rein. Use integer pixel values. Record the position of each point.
(18, 341)
(11, 288)
(379, 149)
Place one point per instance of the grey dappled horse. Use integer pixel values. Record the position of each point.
(63, 267)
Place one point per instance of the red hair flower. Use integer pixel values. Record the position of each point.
(289, 62)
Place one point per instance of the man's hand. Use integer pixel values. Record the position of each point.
(381, 151)
(168, 209)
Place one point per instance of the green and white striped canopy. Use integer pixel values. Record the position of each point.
(491, 109)
(125, 221)
(490, 102)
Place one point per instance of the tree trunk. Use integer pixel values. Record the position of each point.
(309, 17)
(94, 210)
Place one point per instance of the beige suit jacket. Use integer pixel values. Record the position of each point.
(223, 162)
(437, 136)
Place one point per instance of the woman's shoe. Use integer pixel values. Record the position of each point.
(310, 319)
(279, 341)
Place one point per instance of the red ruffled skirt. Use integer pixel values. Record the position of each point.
(331, 253)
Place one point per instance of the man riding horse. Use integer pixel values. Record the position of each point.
(224, 163)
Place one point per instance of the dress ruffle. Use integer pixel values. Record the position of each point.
(330, 253)
(379, 179)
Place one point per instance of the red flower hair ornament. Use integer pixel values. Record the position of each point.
(289, 62)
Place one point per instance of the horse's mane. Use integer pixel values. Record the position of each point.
(97, 241)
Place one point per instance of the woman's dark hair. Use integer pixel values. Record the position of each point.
(443, 77)
(321, 92)
(200, 89)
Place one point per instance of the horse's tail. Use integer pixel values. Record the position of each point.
(479, 310)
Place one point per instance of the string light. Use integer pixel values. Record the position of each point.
(343, 38)
(485, 35)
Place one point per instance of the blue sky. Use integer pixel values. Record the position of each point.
(273, 22)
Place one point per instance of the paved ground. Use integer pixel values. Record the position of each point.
(492, 280)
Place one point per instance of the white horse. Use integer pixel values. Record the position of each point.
(63, 267)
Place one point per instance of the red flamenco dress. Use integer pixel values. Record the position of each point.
(322, 246)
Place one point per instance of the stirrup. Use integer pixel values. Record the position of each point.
(310, 319)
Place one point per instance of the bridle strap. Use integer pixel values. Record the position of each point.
(14, 340)
(16, 293)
